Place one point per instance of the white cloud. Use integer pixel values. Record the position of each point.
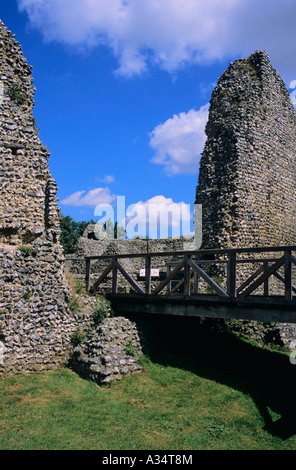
(179, 141)
(158, 217)
(166, 32)
(91, 198)
(170, 33)
(108, 179)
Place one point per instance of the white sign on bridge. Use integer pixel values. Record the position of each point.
(154, 272)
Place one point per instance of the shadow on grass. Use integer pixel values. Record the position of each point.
(268, 377)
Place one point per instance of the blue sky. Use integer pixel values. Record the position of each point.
(123, 87)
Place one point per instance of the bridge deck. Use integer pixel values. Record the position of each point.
(257, 309)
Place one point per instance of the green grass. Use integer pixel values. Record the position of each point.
(199, 390)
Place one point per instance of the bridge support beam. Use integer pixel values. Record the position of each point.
(251, 309)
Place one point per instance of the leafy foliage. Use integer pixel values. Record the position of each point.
(102, 309)
(16, 94)
(28, 250)
(78, 336)
(130, 350)
(71, 232)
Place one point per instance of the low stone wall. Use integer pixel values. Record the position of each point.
(110, 351)
(75, 263)
(263, 333)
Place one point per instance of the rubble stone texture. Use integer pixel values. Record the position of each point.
(109, 352)
(89, 246)
(247, 177)
(35, 323)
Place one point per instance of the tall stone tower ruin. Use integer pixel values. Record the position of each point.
(247, 178)
(35, 324)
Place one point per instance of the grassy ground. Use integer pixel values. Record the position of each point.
(199, 390)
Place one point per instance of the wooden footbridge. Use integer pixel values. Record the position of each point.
(243, 283)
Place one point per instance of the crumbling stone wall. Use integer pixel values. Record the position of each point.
(35, 323)
(247, 177)
(88, 246)
(110, 351)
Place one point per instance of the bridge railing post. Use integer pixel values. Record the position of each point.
(186, 277)
(195, 283)
(148, 275)
(288, 275)
(266, 283)
(114, 277)
(231, 275)
(87, 275)
(169, 286)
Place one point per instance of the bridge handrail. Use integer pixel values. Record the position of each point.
(266, 249)
(270, 267)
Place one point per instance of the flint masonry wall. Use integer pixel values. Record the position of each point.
(35, 323)
(247, 177)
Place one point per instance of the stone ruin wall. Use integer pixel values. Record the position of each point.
(89, 246)
(247, 177)
(35, 323)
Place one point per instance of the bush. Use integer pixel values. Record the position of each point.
(102, 310)
(16, 94)
(78, 337)
(74, 304)
(28, 250)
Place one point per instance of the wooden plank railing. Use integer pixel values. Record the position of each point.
(187, 271)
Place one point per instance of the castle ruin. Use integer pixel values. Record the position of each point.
(35, 323)
(246, 187)
(247, 177)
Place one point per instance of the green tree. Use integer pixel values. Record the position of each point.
(71, 231)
